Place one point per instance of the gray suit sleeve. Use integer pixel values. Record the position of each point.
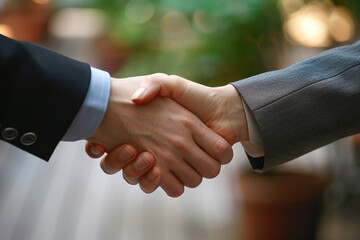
(306, 105)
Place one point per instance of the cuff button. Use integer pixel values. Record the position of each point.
(28, 139)
(9, 134)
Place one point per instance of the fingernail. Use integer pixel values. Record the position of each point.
(151, 176)
(125, 154)
(141, 164)
(138, 93)
(94, 151)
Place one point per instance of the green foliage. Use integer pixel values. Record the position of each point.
(225, 43)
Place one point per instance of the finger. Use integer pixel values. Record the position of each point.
(171, 185)
(212, 143)
(159, 84)
(203, 163)
(137, 168)
(186, 174)
(146, 94)
(150, 181)
(196, 157)
(118, 158)
(94, 150)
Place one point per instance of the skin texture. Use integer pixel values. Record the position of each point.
(220, 108)
(184, 148)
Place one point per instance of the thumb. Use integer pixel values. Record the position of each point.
(94, 150)
(146, 93)
(159, 84)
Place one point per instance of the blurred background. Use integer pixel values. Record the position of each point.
(211, 42)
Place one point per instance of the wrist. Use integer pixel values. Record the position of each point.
(93, 108)
(107, 133)
(235, 113)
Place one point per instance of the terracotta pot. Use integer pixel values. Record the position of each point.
(356, 140)
(27, 21)
(280, 205)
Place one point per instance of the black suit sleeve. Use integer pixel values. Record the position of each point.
(41, 93)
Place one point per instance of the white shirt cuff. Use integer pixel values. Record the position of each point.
(93, 108)
(254, 134)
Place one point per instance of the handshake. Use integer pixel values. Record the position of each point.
(170, 132)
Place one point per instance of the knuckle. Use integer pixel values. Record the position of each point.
(175, 78)
(188, 120)
(179, 142)
(158, 75)
(180, 83)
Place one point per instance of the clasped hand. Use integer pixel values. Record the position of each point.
(180, 140)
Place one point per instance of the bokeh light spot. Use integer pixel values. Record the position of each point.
(6, 30)
(308, 27)
(203, 22)
(78, 23)
(342, 26)
(139, 11)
